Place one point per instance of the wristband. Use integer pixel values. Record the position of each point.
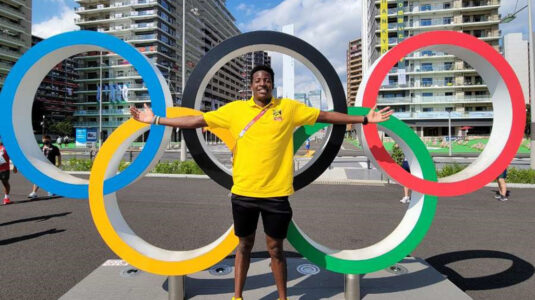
(365, 121)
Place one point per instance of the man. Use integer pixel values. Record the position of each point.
(52, 153)
(262, 165)
(4, 172)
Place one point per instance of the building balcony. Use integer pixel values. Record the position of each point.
(108, 112)
(5, 67)
(436, 84)
(13, 26)
(108, 124)
(132, 87)
(12, 41)
(11, 12)
(444, 115)
(8, 54)
(432, 100)
(132, 75)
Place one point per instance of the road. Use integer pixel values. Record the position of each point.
(483, 245)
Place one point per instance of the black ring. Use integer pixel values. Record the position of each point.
(277, 41)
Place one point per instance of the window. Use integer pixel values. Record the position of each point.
(448, 66)
(427, 53)
(426, 67)
(427, 94)
(425, 22)
(448, 94)
(447, 5)
(425, 7)
(427, 109)
(447, 20)
(427, 81)
(448, 81)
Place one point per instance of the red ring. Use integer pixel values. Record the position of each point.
(479, 47)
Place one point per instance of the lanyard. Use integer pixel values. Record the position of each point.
(244, 130)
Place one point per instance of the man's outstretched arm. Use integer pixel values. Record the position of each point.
(339, 118)
(187, 122)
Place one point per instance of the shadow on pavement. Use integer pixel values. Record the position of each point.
(38, 219)
(519, 271)
(37, 199)
(29, 236)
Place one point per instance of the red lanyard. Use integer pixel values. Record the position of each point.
(244, 130)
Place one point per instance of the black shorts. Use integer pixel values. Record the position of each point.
(4, 175)
(276, 215)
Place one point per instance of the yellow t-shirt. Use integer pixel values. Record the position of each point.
(263, 159)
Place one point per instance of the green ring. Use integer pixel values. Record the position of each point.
(317, 253)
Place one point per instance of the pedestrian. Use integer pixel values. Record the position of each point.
(4, 173)
(59, 141)
(502, 194)
(406, 191)
(399, 157)
(263, 163)
(53, 155)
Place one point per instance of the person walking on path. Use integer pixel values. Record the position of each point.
(4, 173)
(502, 194)
(263, 163)
(53, 154)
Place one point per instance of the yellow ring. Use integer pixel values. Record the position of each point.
(124, 242)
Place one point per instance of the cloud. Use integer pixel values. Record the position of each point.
(248, 9)
(328, 25)
(56, 24)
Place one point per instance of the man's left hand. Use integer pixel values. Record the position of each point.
(379, 116)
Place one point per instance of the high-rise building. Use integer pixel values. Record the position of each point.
(15, 33)
(251, 60)
(427, 85)
(517, 55)
(154, 27)
(354, 70)
(54, 100)
(288, 66)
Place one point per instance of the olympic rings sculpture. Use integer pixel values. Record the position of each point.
(22, 83)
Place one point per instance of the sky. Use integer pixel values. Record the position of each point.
(328, 25)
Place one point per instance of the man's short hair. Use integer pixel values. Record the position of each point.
(263, 68)
(47, 137)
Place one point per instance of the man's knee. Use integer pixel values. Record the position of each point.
(246, 244)
(275, 249)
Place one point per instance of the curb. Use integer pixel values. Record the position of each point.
(321, 181)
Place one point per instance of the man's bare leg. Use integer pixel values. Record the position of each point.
(278, 264)
(241, 263)
(502, 186)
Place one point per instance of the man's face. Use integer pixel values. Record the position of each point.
(262, 86)
(46, 141)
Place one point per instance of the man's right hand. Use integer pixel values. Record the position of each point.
(144, 116)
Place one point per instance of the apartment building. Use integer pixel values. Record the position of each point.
(15, 33)
(354, 70)
(54, 100)
(429, 87)
(251, 60)
(154, 27)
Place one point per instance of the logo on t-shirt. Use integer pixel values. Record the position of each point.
(277, 115)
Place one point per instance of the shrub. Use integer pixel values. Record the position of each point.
(450, 170)
(515, 175)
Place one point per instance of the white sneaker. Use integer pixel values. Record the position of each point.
(32, 195)
(405, 200)
(50, 194)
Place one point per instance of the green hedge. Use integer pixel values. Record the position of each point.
(167, 167)
(514, 175)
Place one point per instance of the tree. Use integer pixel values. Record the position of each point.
(62, 128)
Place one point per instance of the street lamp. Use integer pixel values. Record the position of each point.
(194, 11)
(100, 103)
(509, 18)
(449, 109)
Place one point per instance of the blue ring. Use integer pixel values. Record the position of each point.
(78, 38)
